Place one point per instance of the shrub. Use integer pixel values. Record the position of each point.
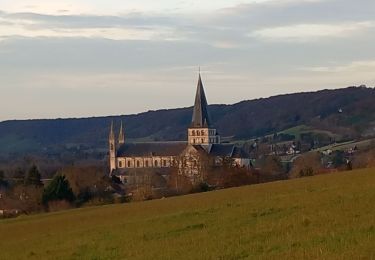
(204, 187)
(306, 165)
(58, 205)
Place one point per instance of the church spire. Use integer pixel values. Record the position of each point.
(200, 112)
(112, 149)
(111, 132)
(121, 136)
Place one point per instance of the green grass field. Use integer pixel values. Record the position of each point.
(322, 217)
(303, 129)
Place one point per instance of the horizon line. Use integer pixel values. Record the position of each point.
(184, 107)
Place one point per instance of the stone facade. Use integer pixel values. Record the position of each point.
(203, 142)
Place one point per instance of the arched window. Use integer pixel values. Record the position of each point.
(146, 163)
(198, 133)
(129, 164)
(193, 132)
(138, 164)
(165, 163)
(202, 140)
(156, 163)
(120, 164)
(202, 132)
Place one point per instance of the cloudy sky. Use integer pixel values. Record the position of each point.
(76, 58)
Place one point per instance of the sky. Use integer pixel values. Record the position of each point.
(83, 58)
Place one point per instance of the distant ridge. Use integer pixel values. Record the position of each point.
(243, 120)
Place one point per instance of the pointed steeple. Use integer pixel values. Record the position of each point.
(112, 150)
(121, 136)
(111, 132)
(200, 112)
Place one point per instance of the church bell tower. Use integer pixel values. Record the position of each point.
(200, 131)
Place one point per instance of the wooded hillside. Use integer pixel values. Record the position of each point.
(349, 112)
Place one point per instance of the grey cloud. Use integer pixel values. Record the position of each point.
(102, 54)
(227, 25)
(92, 21)
(275, 13)
(201, 39)
(90, 54)
(253, 66)
(6, 23)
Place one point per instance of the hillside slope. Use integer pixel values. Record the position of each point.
(243, 120)
(322, 217)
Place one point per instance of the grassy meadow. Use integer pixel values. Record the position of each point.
(322, 217)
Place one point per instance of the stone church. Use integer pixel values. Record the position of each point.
(203, 141)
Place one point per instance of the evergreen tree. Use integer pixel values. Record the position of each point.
(58, 189)
(33, 177)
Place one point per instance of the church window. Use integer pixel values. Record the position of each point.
(193, 132)
(202, 132)
(198, 133)
(129, 164)
(120, 164)
(138, 164)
